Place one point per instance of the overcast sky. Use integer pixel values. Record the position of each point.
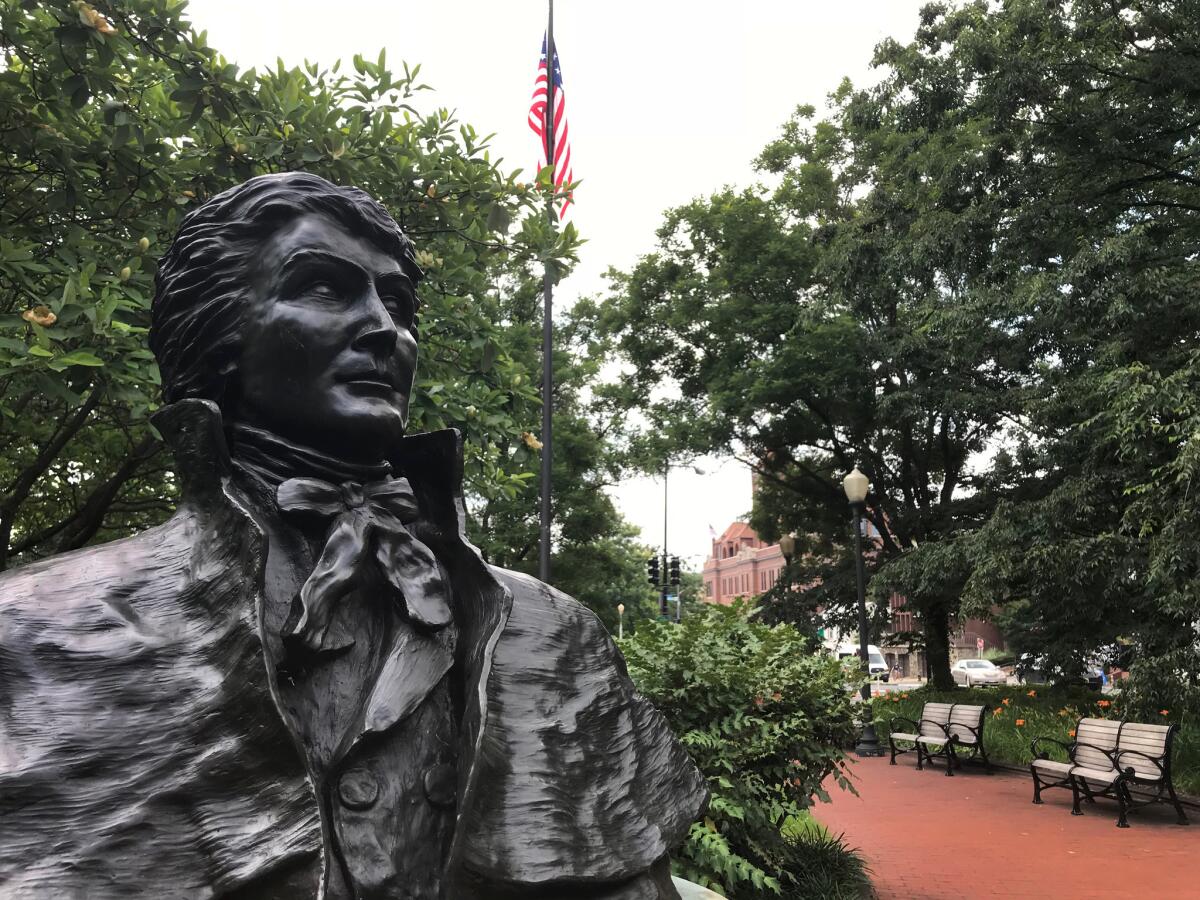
(667, 100)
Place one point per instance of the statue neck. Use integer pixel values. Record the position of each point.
(275, 459)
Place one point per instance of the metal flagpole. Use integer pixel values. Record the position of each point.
(547, 322)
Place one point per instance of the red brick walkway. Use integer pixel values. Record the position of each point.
(929, 837)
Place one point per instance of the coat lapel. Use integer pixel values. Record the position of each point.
(433, 463)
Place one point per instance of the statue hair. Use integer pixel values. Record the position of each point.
(199, 309)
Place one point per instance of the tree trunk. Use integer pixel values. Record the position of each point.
(936, 625)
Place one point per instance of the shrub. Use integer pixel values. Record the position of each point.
(1163, 682)
(765, 720)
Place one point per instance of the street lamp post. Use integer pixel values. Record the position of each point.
(856, 486)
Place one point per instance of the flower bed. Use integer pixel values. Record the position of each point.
(1018, 714)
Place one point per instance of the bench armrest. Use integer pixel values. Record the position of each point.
(978, 732)
(1129, 772)
(892, 722)
(1041, 754)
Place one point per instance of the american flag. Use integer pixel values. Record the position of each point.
(537, 122)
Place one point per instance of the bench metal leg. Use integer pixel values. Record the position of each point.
(1122, 821)
(951, 759)
(1075, 810)
(1037, 786)
(920, 757)
(1183, 819)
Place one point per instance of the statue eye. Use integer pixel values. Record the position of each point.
(324, 289)
(400, 306)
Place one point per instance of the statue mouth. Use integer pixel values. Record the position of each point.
(371, 379)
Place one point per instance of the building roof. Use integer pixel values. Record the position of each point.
(738, 530)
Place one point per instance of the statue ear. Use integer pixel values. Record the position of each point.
(225, 388)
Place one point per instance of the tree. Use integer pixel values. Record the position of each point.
(1093, 544)
(803, 331)
(976, 280)
(596, 557)
(117, 118)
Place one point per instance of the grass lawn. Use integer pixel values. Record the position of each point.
(1018, 714)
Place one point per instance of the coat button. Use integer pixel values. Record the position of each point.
(358, 788)
(441, 785)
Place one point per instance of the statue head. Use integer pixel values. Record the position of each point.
(291, 303)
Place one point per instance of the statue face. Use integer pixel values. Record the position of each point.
(329, 352)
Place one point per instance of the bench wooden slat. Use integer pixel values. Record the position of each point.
(1153, 748)
(965, 721)
(1104, 775)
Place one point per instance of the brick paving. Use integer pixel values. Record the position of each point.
(929, 837)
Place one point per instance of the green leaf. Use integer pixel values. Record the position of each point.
(81, 358)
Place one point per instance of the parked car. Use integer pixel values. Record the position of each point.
(1037, 670)
(977, 671)
(876, 665)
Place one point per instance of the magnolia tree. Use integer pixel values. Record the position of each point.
(116, 119)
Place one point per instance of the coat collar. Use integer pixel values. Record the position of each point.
(194, 430)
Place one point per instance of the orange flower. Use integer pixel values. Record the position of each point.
(1020, 722)
(905, 695)
(40, 315)
(1071, 733)
(1103, 703)
(997, 710)
(777, 696)
(895, 699)
(1005, 701)
(1164, 712)
(1031, 694)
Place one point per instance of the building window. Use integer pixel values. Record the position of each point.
(708, 586)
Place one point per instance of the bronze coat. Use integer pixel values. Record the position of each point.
(143, 751)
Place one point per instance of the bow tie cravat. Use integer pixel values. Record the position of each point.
(367, 522)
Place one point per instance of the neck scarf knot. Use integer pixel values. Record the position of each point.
(367, 536)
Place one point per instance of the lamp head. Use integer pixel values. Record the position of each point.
(856, 485)
(620, 609)
(787, 546)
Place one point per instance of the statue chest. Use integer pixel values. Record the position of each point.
(376, 720)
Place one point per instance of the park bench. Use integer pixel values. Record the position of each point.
(1107, 759)
(952, 731)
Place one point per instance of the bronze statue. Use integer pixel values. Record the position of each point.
(307, 683)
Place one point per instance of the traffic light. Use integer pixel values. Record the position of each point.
(673, 570)
(652, 570)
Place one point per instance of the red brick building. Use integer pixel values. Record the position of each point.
(741, 565)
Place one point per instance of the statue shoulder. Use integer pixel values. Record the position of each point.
(534, 601)
(92, 590)
(572, 750)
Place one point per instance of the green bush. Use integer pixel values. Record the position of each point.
(766, 721)
(1017, 715)
(1163, 682)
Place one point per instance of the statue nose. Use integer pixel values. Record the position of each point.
(379, 331)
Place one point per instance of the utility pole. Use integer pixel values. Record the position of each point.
(547, 325)
(662, 602)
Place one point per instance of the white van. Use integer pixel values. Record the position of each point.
(876, 664)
